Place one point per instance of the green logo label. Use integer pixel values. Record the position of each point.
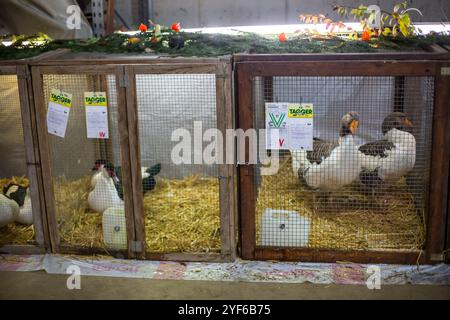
(277, 121)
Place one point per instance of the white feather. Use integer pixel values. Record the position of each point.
(144, 173)
(94, 178)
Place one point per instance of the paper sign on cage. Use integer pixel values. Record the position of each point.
(289, 126)
(96, 115)
(58, 112)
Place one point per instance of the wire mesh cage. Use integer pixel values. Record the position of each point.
(187, 196)
(356, 175)
(341, 206)
(87, 179)
(20, 213)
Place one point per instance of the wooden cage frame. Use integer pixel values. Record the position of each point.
(20, 69)
(125, 69)
(447, 245)
(431, 63)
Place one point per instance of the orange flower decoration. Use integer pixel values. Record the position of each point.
(176, 27)
(282, 37)
(365, 36)
(142, 27)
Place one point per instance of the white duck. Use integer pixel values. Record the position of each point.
(9, 210)
(104, 195)
(332, 164)
(386, 161)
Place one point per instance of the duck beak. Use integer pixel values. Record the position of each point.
(408, 123)
(353, 127)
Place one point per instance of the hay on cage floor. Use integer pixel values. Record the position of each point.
(352, 221)
(15, 233)
(181, 215)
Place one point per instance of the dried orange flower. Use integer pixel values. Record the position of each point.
(176, 27)
(365, 36)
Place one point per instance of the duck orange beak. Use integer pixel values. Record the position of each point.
(354, 126)
(408, 123)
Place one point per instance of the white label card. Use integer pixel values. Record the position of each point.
(58, 112)
(289, 126)
(96, 115)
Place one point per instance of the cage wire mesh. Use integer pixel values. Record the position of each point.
(182, 211)
(16, 220)
(87, 174)
(384, 205)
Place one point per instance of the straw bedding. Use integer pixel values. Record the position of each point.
(181, 215)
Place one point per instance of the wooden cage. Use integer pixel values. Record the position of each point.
(20, 164)
(171, 212)
(373, 84)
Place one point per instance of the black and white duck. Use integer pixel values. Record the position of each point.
(387, 160)
(331, 164)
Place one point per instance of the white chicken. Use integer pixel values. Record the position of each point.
(104, 195)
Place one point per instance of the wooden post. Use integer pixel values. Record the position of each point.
(447, 247)
(135, 159)
(50, 224)
(224, 115)
(110, 17)
(247, 187)
(122, 88)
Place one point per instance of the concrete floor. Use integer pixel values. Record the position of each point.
(40, 285)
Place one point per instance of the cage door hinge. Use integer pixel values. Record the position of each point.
(136, 246)
(445, 71)
(123, 81)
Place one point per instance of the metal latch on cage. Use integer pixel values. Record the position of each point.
(445, 71)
